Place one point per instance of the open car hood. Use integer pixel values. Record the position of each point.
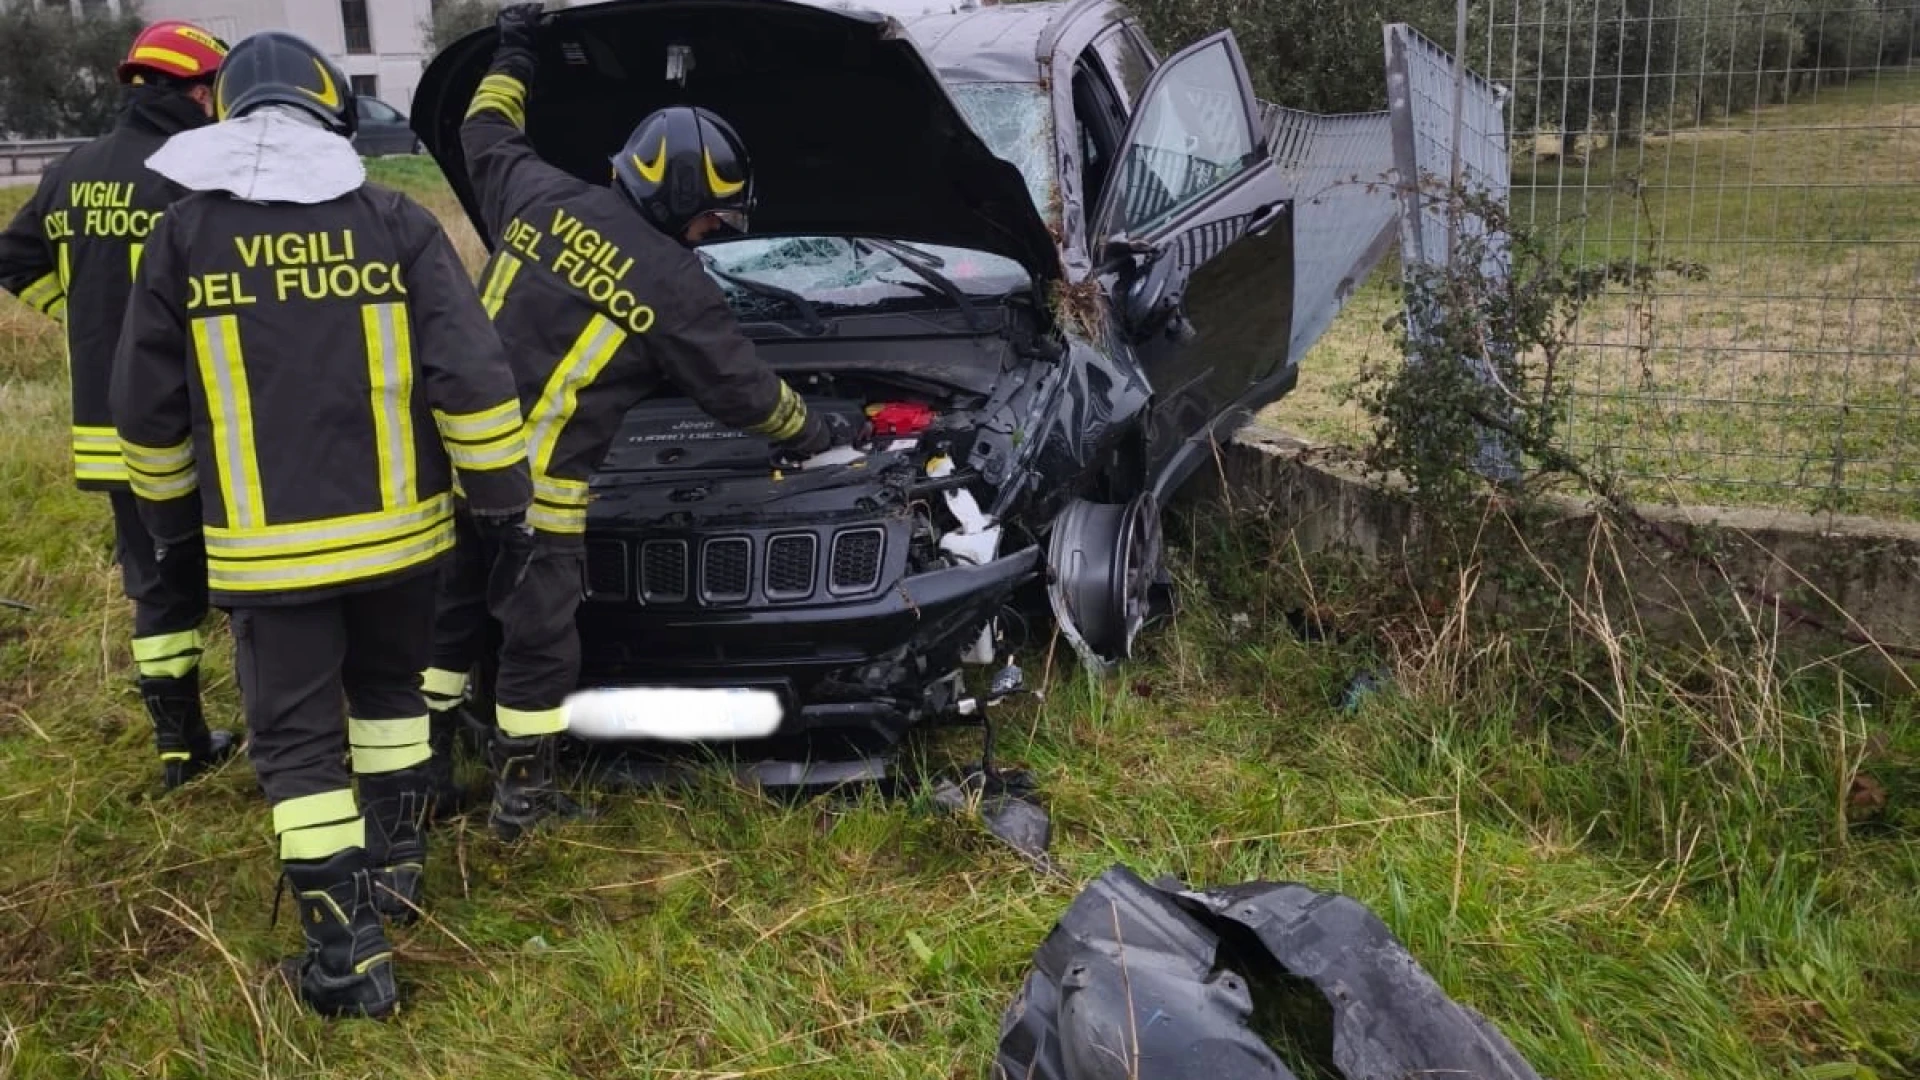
(850, 130)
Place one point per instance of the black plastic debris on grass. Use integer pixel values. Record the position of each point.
(1260, 980)
(1008, 804)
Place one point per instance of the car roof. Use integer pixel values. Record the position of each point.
(970, 40)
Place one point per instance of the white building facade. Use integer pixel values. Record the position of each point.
(381, 44)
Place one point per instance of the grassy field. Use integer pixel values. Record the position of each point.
(1698, 871)
(1791, 375)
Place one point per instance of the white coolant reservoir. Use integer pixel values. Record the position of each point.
(976, 541)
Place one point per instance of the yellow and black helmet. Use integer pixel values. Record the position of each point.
(277, 68)
(682, 162)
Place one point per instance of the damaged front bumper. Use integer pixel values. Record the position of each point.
(856, 672)
(1146, 982)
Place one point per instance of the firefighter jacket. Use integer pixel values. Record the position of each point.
(72, 249)
(302, 380)
(596, 308)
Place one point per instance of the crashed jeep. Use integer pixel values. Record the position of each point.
(1047, 267)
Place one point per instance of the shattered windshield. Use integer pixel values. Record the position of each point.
(1015, 120)
(837, 273)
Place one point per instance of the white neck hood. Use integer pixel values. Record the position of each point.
(268, 155)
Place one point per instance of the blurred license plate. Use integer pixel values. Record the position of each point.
(674, 713)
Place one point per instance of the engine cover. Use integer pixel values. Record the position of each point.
(673, 435)
(674, 467)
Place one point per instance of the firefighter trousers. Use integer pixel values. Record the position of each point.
(325, 684)
(532, 596)
(169, 594)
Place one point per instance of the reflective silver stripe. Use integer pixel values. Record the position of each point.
(158, 459)
(223, 378)
(153, 490)
(557, 520)
(557, 490)
(589, 354)
(497, 456)
(102, 440)
(484, 426)
(305, 539)
(391, 370)
(347, 566)
(504, 268)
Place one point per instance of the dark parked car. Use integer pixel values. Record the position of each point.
(383, 130)
(1049, 267)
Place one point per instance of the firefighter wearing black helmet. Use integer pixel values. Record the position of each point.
(71, 253)
(305, 368)
(599, 301)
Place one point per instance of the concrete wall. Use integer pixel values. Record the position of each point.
(1830, 586)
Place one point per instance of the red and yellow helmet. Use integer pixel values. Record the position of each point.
(175, 49)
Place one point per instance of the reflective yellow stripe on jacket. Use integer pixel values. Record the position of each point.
(47, 295)
(560, 504)
(489, 439)
(159, 473)
(789, 415)
(96, 454)
(249, 554)
(216, 343)
(503, 94)
(500, 276)
(390, 373)
(333, 552)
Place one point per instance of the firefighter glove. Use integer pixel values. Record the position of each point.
(818, 435)
(511, 540)
(519, 26)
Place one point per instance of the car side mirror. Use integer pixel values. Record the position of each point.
(1149, 298)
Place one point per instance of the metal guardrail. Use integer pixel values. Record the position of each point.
(27, 157)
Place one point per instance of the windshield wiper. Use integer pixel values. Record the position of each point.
(922, 264)
(808, 313)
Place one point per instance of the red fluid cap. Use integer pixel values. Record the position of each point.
(897, 418)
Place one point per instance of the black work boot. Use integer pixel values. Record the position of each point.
(394, 805)
(348, 966)
(448, 799)
(523, 790)
(187, 748)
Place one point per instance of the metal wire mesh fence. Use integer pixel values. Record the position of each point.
(1775, 144)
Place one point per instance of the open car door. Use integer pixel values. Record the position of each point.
(1200, 222)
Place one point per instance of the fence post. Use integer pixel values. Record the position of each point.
(1418, 73)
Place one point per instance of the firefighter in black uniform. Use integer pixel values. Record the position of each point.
(71, 252)
(598, 300)
(304, 367)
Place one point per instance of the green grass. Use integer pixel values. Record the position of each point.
(1787, 377)
(1676, 870)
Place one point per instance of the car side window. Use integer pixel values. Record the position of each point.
(1191, 136)
(1102, 120)
(377, 111)
(1127, 64)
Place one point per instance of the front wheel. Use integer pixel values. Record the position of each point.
(1106, 566)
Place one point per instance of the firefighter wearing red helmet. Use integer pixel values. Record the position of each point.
(71, 252)
(617, 309)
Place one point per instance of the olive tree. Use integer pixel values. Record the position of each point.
(56, 69)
